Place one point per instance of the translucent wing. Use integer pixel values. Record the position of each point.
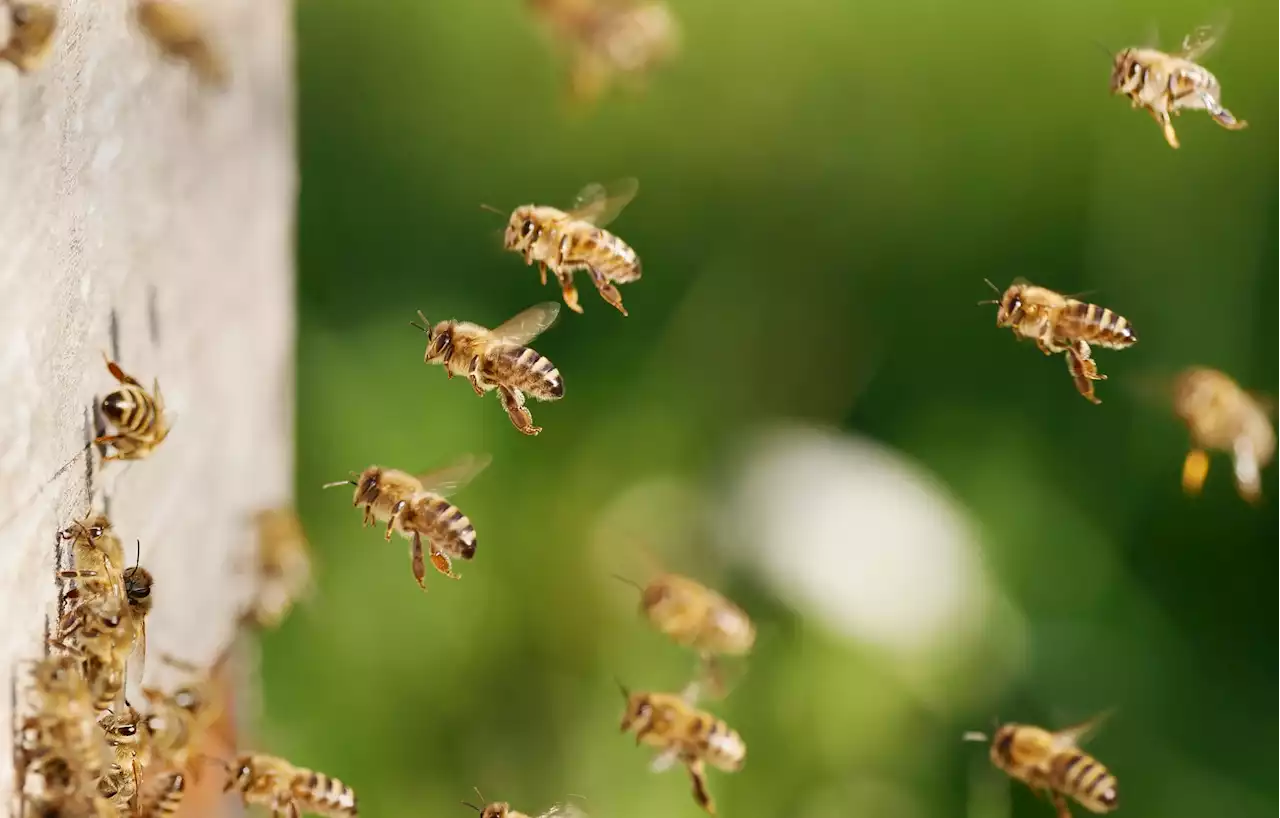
(448, 479)
(564, 811)
(601, 204)
(526, 325)
(1198, 43)
(664, 761)
(1078, 734)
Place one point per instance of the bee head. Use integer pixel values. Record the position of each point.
(521, 229)
(639, 713)
(1126, 72)
(241, 776)
(1002, 745)
(496, 810)
(137, 587)
(1010, 311)
(440, 347)
(367, 484)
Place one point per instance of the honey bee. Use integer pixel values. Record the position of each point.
(1168, 84)
(682, 733)
(694, 616)
(1223, 417)
(284, 567)
(501, 809)
(498, 359)
(167, 799)
(62, 722)
(289, 791)
(1053, 761)
(1058, 323)
(31, 27)
(137, 415)
(576, 240)
(174, 26)
(120, 784)
(417, 508)
(178, 721)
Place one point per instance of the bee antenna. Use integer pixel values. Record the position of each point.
(137, 559)
(492, 209)
(1103, 46)
(988, 301)
(469, 804)
(993, 287)
(630, 582)
(340, 483)
(626, 694)
(425, 326)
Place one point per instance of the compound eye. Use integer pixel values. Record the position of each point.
(526, 228)
(127, 731)
(1135, 70)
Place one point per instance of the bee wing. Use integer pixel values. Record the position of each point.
(664, 761)
(1198, 43)
(526, 325)
(601, 204)
(1076, 735)
(451, 478)
(564, 811)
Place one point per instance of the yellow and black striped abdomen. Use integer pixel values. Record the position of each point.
(601, 251)
(448, 529)
(131, 410)
(529, 371)
(1097, 325)
(324, 795)
(1083, 778)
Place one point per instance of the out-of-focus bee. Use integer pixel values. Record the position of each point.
(610, 38)
(287, 790)
(1053, 761)
(120, 784)
(175, 27)
(498, 359)
(682, 733)
(61, 719)
(417, 508)
(31, 29)
(1168, 84)
(1058, 323)
(138, 416)
(568, 241)
(58, 791)
(284, 567)
(178, 721)
(1223, 417)
(167, 798)
(697, 617)
(501, 809)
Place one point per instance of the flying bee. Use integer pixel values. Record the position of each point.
(682, 733)
(1223, 417)
(417, 508)
(1053, 761)
(501, 809)
(1058, 323)
(175, 27)
(1168, 84)
(694, 616)
(137, 414)
(498, 359)
(31, 29)
(289, 791)
(284, 566)
(576, 240)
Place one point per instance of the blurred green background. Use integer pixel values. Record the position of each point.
(824, 185)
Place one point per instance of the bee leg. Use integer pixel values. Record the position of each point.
(570, 292)
(542, 273)
(513, 402)
(608, 292)
(1248, 481)
(419, 565)
(1083, 371)
(396, 511)
(474, 376)
(1165, 122)
(1060, 804)
(698, 774)
(1194, 471)
(443, 564)
(1221, 115)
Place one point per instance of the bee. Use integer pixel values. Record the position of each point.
(62, 722)
(501, 809)
(284, 567)
(1168, 84)
(576, 240)
(417, 508)
(1053, 761)
(1221, 416)
(288, 790)
(174, 26)
(137, 415)
(31, 27)
(694, 616)
(178, 721)
(167, 799)
(682, 733)
(498, 359)
(60, 792)
(124, 735)
(94, 542)
(1058, 323)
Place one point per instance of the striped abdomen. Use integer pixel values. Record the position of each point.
(131, 410)
(524, 369)
(318, 793)
(1083, 778)
(169, 798)
(600, 250)
(444, 524)
(719, 744)
(1097, 325)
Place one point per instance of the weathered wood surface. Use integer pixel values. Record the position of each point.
(148, 217)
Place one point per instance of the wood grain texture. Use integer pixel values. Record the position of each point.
(145, 216)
